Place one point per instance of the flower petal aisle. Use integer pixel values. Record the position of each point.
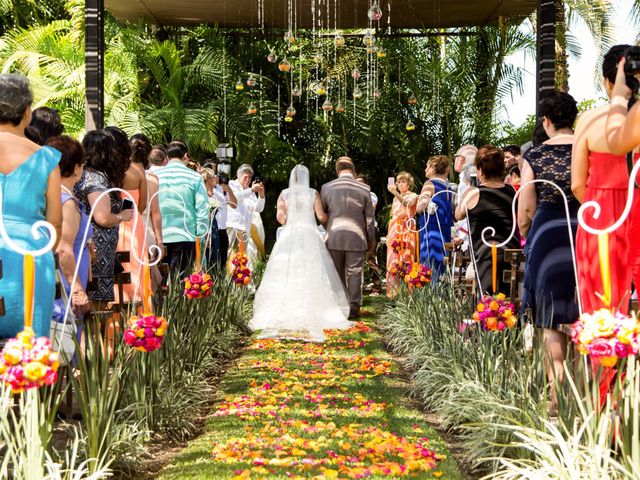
(335, 410)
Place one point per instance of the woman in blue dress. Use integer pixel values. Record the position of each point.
(30, 184)
(435, 214)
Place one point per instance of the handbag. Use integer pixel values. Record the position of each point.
(63, 332)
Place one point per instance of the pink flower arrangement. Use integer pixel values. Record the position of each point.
(146, 332)
(28, 362)
(494, 313)
(606, 335)
(417, 275)
(399, 268)
(241, 274)
(398, 246)
(198, 285)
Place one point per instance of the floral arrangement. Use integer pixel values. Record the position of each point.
(606, 335)
(494, 313)
(417, 275)
(28, 362)
(398, 246)
(399, 268)
(146, 332)
(198, 285)
(241, 274)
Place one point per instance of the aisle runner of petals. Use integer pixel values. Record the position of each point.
(301, 421)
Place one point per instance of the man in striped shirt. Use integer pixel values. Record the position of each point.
(184, 206)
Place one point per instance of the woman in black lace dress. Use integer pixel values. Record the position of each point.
(549, 281)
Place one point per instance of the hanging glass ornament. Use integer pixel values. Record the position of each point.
(320, 90)
(357, 93)
(412, 100)
(375, 12)
(252, 110)
(376, 94)
(317, 58)
(284, 65)
(239, 86)
(251, 81)
(327, 106)
(339, 40)
(368, 39)
(381, 53)
(372, 49)
(289, 38)
(339, 108)
(355, 73)
(410, 127)
(296, 92)
(272, 57)
(291, 112)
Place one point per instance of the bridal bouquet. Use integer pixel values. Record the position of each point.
(28, 362)
(494, 313)
(198, 285)
(146, 332)
(607, 335)
(241, 274)
(417, 275)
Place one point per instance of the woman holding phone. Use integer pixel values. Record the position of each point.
(401, 236)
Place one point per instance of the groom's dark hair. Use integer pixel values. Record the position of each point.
(345, 163)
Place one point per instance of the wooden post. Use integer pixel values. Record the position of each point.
(94, 64)
(546, 50)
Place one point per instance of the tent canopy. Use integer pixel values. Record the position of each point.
(350, 13)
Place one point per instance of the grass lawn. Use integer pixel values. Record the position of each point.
(323, 411)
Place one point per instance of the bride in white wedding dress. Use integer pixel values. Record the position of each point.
(301, 293)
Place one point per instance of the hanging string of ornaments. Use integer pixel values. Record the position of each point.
(324, 84)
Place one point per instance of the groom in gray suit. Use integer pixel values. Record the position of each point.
(350, 228)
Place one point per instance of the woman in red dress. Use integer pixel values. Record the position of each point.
(599, 175)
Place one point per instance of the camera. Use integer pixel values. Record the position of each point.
(473, 180)
(258, 179)
(632, 63)
(224, 170)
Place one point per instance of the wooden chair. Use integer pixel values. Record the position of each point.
(514, 275)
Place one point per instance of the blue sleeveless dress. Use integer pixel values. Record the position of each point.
(438, 229)
(24, 203)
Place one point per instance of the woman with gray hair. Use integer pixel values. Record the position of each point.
(30, 184)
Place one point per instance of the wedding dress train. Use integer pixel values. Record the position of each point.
(301, 294)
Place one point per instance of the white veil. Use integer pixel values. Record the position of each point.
(299, 197)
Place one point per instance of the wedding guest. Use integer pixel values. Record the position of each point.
(104, 169)
(224, 200)
(401, 236)
(250, 199)
(513, 177)
(157, 157)
(372, 259)
(489, 205)
(74, 246)
(46, 123)
(141, 154)
(599, 175)
(30, 186)
(184, 206)
(549, 279)
(435, 214)
(622, 138)
(512, 156)
(464, 164)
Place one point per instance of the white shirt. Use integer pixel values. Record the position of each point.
(248, 202)
(220, 202)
